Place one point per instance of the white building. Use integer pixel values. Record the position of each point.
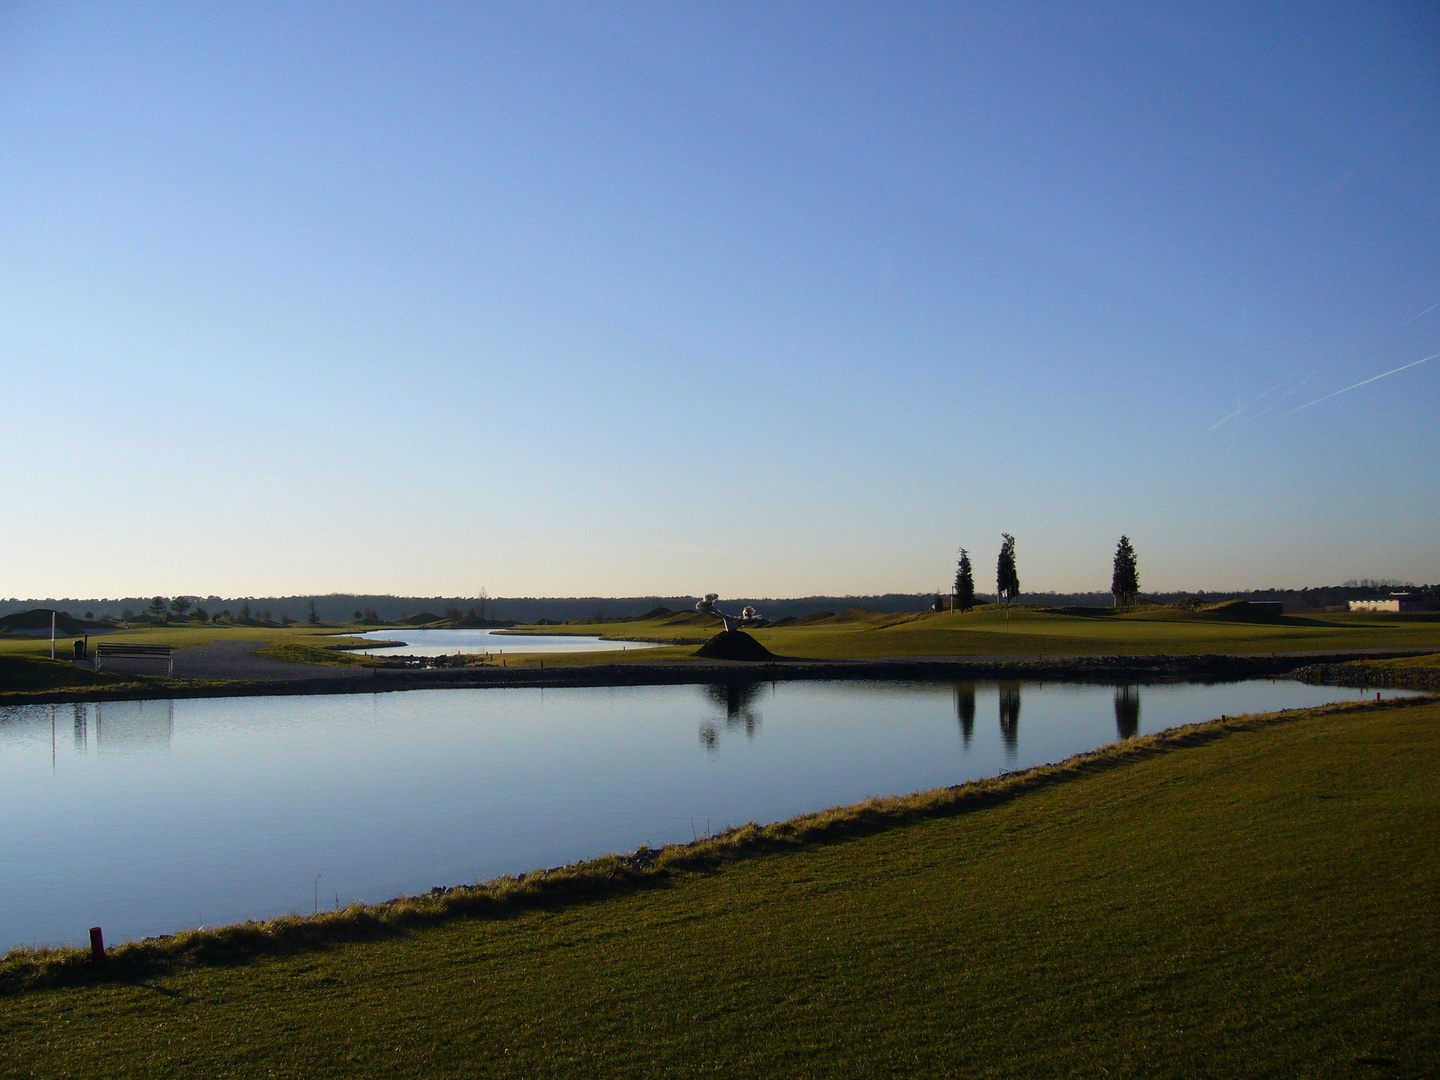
(1396, 602)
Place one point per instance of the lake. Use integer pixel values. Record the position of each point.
(145, 817)
(449, 642)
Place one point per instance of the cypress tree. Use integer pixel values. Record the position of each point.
(964, 583)
(1125, 581)
(1007, 581)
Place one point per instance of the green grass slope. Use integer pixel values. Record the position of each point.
(1252, 902)
(1028, 630)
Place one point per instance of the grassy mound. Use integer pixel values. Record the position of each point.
(425, 618)
(302, 652)
(32, 673)
(813, 618)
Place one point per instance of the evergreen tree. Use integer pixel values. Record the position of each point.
(1007, 581)
(964, 583)
(1125, 582)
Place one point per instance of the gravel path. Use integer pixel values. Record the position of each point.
(231, 660)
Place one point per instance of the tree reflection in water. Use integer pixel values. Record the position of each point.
(737, 699)
(1010, 717)
(1127, 711)
(124, 725)
(965, 710)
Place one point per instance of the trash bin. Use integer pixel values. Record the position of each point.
(79, 650)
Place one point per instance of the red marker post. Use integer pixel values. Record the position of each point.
(97, 945)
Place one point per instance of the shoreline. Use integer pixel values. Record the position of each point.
(1316, 667)
(28, 968)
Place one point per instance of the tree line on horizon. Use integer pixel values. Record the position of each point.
(340, 608)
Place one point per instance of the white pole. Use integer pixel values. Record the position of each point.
(52, 633)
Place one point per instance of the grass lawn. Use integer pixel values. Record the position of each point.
(1030, 631)
(1253, 901)
(1023, 631)
(178, 637)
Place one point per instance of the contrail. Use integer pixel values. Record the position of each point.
(1241, 409)
(1412, 318)
(1362, 382)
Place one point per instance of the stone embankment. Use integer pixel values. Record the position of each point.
(1381, 676)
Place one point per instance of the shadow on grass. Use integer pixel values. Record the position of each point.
(587, 882)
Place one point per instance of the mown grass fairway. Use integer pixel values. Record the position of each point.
(1028, 631)
(177, 637)
(1256, 904)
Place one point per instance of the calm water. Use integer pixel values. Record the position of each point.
(448, 642)
(147, 817)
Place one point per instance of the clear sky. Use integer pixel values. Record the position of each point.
(762, 299)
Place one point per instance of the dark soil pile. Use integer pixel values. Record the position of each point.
(733, 645)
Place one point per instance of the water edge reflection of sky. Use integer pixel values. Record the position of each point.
(150, 816)
(446, 641)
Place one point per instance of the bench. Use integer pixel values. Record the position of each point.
(116, 650)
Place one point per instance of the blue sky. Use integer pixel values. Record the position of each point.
(761, 299)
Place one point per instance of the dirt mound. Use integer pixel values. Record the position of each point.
(733, 645)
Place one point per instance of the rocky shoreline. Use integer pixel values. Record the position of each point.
(1368, 675)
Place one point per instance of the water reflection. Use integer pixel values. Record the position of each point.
(123, 725)
(1127, 710)
(1010, 717)
(369, 788)
(737, 699)
(965, 710)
